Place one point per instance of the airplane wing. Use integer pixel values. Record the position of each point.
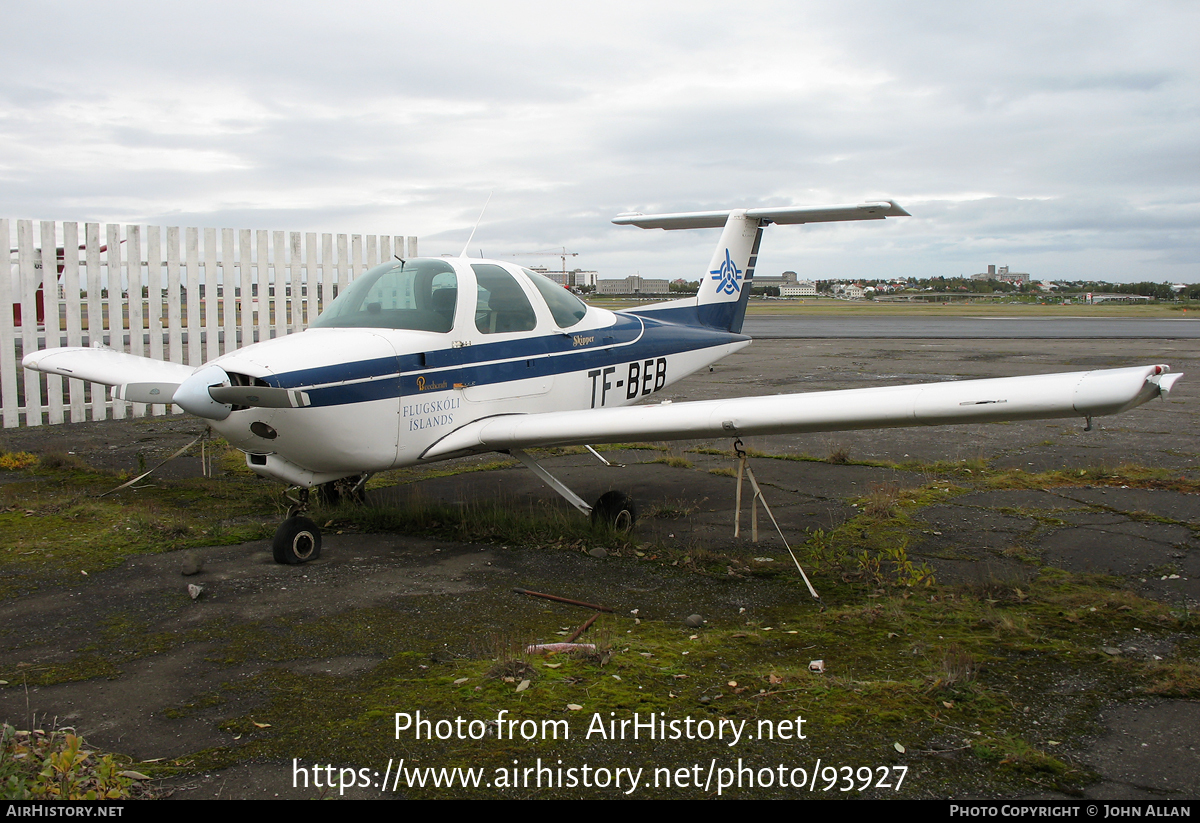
(1077, 394)
(140, 379)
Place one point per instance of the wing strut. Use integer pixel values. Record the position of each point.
(551, 481)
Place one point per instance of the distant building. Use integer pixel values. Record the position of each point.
(578, 277)
(634, 284)
(1094, 297)
(788, 278)
(802, 288)
(1002, 274)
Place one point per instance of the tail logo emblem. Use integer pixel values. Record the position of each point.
(727, 276)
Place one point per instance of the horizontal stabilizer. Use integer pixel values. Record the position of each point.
(1047, 396)
(787, 215)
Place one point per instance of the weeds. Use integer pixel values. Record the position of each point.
(674, 461)
(1017, 754)
(505, 523)
(881, 500)
(62, 461)
(672, 510)
(838, 456)
(15, 461)
(958, 667)
(38, 765)
(1178, 678)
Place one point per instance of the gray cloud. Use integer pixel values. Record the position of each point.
(1058, 139)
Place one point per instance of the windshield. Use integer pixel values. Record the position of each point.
(419, 294)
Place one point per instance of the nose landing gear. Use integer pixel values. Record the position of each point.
(298, 539)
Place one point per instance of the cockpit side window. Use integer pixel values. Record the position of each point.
(420, 295)
(565, 308)
(502, 305)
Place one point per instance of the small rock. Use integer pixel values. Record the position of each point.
(1115, 652)
(693, 621)
(195, 591)
(191, 564)
(706, 699)
(598, 552)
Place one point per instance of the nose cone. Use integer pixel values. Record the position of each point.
(192, 395)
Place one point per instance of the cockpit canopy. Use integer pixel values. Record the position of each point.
(424, 294)
(417, 294)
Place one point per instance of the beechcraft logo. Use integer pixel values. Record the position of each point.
(727, 276)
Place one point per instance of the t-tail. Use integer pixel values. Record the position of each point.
(726, 284)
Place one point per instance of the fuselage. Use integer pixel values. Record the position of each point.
(415, 349)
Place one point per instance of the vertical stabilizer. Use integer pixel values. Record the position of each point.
(725, 287)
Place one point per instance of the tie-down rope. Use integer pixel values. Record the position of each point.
(744, 468)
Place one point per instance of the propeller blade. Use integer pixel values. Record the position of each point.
(263, 397)
(146, 392)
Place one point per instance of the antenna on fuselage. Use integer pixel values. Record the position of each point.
(481, 211)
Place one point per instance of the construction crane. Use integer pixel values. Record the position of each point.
(563, 253)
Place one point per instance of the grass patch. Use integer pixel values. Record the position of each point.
(1134, 476)
(674, 461)
(58, 766)
(511, 523)
(56, 524)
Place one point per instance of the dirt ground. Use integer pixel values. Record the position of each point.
(1143, 749)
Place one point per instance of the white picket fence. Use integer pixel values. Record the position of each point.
(203, 292)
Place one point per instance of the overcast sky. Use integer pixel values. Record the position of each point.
(1061, 139)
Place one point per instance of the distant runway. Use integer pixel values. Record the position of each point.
(969, 328)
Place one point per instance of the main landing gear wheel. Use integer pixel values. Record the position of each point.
(297, 540)
(615, 509)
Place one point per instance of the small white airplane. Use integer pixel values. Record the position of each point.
(428, 359)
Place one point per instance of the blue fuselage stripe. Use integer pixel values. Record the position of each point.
(411, 374)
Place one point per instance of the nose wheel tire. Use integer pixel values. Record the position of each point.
(297, 540)
(615, 509)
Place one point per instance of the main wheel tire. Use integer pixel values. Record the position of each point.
(615, 509)
(297, 540)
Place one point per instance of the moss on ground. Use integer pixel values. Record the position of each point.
(949, 681)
